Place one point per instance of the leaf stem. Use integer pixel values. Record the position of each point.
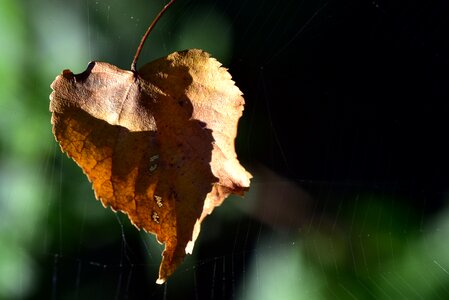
(145, 36)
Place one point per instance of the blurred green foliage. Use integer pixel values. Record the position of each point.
(376, 251)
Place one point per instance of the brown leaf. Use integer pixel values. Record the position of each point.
(157, 144)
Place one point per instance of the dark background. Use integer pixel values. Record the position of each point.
(359, 94)
(344, 130)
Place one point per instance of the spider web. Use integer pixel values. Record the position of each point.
(348, 199)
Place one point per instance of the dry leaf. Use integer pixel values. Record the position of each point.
(157, 144)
